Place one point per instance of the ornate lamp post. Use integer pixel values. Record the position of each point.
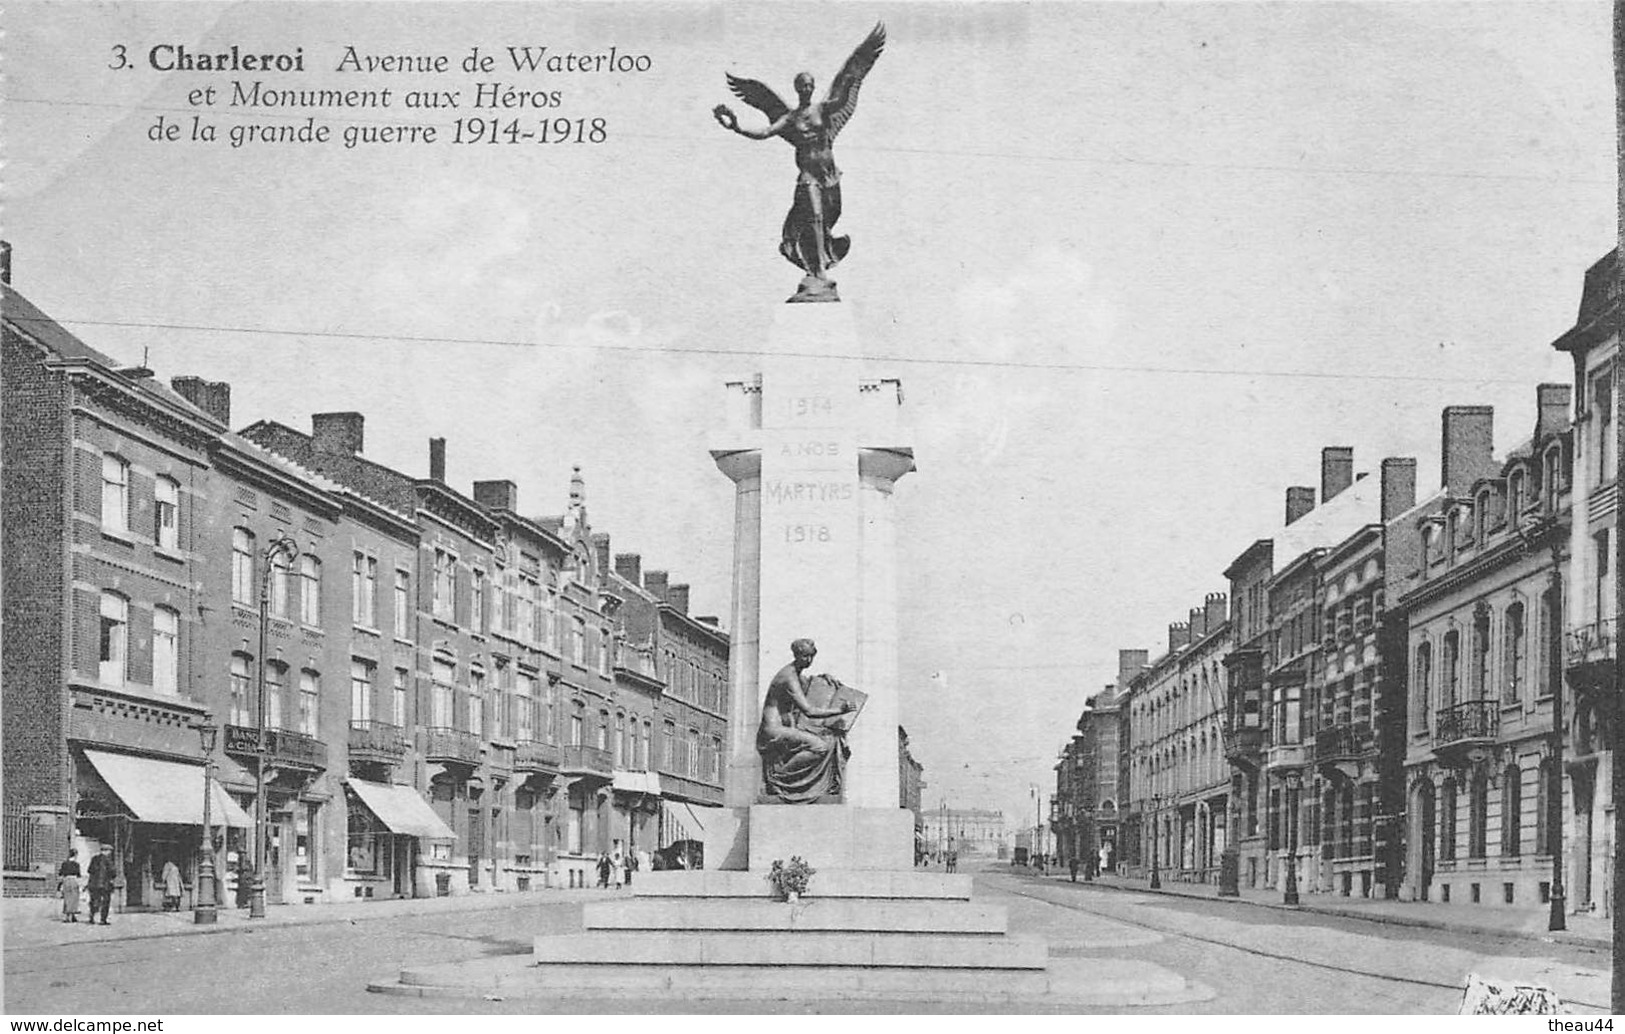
(205, 909)
(287, 551)
(1293, 781)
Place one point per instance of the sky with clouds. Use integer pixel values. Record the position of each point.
(1134, 263)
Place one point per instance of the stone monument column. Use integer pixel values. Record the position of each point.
(814, 450)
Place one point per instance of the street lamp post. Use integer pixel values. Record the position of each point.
(286, 550)
(1290, 897)
(205, 909)
(1156, 847)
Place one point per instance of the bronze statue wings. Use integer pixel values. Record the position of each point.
(759, 96)
(842, 99)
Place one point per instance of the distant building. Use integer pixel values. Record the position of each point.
(966, 830)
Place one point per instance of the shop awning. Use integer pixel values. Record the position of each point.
(682, 821)
(164, 791)
(401, 809)
(637, 782)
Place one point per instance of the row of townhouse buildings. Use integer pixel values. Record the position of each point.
(456, 696)
(1399, 694)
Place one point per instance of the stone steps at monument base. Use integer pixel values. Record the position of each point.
(735, 948)
(1074, 983)
(827, 883)
(846, 915)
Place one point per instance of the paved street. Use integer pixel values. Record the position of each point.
(1250, 958)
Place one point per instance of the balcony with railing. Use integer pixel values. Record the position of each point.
(1344, 748)
(683, 788)
(284, 748)
(535, 756)
(1244, 746)
(636, 666)
(592, 762)
(376, 741)
(454, 745)
(1588, 653)
(1465, 729)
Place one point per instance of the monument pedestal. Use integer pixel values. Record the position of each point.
(829, 836)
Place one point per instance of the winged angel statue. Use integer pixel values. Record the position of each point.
(811, 129)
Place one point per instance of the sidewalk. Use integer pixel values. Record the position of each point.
(1591, 930)
(35, 922)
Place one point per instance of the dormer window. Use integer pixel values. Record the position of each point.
(1515, 492)
(1554, 477)
(1481, 516)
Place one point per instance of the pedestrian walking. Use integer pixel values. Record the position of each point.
(603, 870)
(67, 885)
(103, 871)
(631, 866)
(617, 868)
(1072, 868)
(172, 886)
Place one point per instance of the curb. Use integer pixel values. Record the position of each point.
(1419, 922)
(496, 903)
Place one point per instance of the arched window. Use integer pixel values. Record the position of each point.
(603, 730)
(621, 756)
(166, 628)
(115, 493)
(113, 660)
(1512, 811)
(1515, 497)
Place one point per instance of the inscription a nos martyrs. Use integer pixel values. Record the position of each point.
(808, 491)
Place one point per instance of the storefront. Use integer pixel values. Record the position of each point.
(151, 811)
(392, 835)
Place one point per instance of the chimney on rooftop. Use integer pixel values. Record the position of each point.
(213, 397)
(1217, 606)
(1398, 486)
(1551, 409)
(1467, 449)
(600, 548)
(497, 495)
(437, 460)
(337, 433)
(1129, 663)
(1198, 622)
(1300, 499)
(1336, 471)
(678, 597)
(654, 583)
(1179, 634)
(630, 567)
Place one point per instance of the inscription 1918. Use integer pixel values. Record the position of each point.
(795, 533)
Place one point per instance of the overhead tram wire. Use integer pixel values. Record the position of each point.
(996, 364)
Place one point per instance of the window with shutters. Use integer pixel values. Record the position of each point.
(310, 591)
(242, 566)
(166, 499)
(403, 605)
(113, 659)
(115, 493)
(310, 685)
(166, 625)
(240, 713)
(362, 675)
(445, 584)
